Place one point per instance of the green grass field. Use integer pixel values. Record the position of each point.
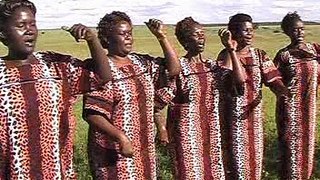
(268, 38)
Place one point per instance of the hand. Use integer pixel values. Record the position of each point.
(157, 28)
(226, 39)
(80, 31)
(126, 148)
(163, 135)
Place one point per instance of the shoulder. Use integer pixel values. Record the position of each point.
(55, 57)
(146, 58)
(282, 54)
(222, 55)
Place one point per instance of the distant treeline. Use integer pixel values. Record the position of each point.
(263, 24)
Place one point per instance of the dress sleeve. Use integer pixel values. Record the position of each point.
(4, 153)
(81, 76)
(269, 71)
(76, 74)
(165, 91)
(317, 50)
(99, 102)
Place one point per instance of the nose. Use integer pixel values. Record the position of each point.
(31, 29)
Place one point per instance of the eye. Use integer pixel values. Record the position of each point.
(20, 25)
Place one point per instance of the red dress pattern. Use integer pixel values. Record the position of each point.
(296, 116)
(193, 122)
(242, 122)
(36, 123)
(128, 103)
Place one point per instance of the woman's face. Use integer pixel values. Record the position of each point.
(196, 39)
(244, 34)
(296, 32)
(21, 32)
(120, 40)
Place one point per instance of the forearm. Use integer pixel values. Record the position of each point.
(160, 121)
(171, 56)
(237, 69)
(279, 88)
(106, 127)
(99, 55)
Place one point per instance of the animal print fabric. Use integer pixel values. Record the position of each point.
(296, 115)
(193, 121)
(242, 121)
(128, 103)
(36, 123)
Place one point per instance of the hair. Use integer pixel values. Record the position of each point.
(236, 20)
(289, 20)
(183, 29)
(107, 23)
(7, 8)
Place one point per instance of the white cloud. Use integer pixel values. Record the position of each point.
(53, 14)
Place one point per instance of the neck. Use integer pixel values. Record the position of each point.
(241, 48)
(296, 43)
(19, 56)
(195, 57)
(119, 60)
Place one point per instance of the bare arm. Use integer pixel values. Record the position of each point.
(231, 61)
(113, 132)
(98, 54)
(161, 124)
(157, 29)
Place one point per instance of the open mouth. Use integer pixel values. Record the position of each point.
(29, 42)
(201, 44)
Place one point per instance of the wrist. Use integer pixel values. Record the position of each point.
(162, 38)
(122, 138)
(162, 128)
(230, 49)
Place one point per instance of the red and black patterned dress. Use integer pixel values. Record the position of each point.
(296, 116)
(193, 121)
(36, 123)
(128, 103)
(242, 122)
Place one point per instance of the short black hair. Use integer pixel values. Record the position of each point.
(183, 29)
(238, 19)
(289, 20)
(7, 8)
(106, 24)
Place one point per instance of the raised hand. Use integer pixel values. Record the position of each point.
(157, 28)
(226, 39)
(80, 31)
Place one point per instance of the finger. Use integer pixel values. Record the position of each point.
(220, 31)
(224, 32)
(74, 31)
(66, 28)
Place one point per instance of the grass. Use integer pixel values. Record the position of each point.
(268, 38)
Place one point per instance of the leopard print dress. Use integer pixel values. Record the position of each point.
(36, 123)
(128, 103)
(242, 120)
(193, 121)
(296, 116)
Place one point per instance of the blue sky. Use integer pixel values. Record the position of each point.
(53, 14)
